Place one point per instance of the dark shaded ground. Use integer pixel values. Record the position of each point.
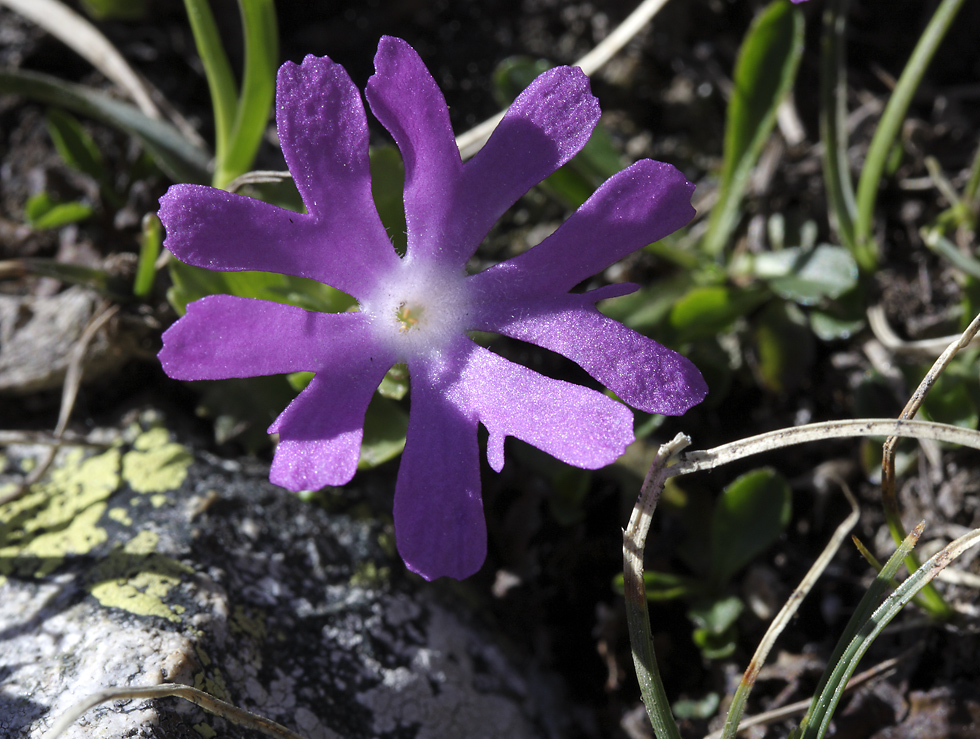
(547, 584)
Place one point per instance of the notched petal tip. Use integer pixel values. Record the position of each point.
(560, 104)
(311, 465)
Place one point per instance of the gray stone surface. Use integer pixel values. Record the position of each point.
(146, 562)
(37, 334)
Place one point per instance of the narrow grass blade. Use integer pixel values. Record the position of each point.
(174, 154)
(864, 628)
(764, 74)
(634, 591)
(77, 33)
(151, 241)
(783, 618)
(891, 122)
(833, 126)
(217, 69)
(258, 89)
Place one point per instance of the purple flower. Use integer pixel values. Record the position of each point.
(418, 309)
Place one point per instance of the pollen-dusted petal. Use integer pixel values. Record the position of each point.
(222, 231)
(546, 125)
(572, 423)
(409, 103)
(633, 208)
(643, 373)
(224, 336)
(320, 432)
(439, 525)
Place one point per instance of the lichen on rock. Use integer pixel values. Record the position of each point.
(174, 567)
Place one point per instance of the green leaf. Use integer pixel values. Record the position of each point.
(385, 426)
(949, 401)
(764, 74)
(829, 327)
(807, 276)
(599, 159)
(717, 616)
(570, 486)
(697, 709)
(649, 307)
(151, 241)
(191, 283)
(387, 187)
(299, 380)
(840, 318)
(175, 155)
(708, 311)
(575, 182)
(114, 286)
(128, 10)
(74, 144)
(243, 408)
(513, 75)
(394, 385)
(748, 518)
(43, 213)
(784, 347)
(716, 635)
(934, 239)
(660, 586)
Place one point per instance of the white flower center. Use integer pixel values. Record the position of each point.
(417, 309)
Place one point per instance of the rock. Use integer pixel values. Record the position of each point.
(142, 562)
(37, 334)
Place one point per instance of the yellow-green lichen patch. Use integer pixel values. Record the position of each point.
(156, 464)
(135, 578)
(369, 575)
(159, 500)
(205, 730)
(120, 515)
(253, 626)
(215, 686)
(60, 517)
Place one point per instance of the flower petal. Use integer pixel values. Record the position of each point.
(439, 525)
(320, 432)
(546, 125)
(324, 136)
(572, 423)
(224, 336)
(218, 230)
(643, 373)
(407, 101)
(633, 208)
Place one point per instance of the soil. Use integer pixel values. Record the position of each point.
(548, 580)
